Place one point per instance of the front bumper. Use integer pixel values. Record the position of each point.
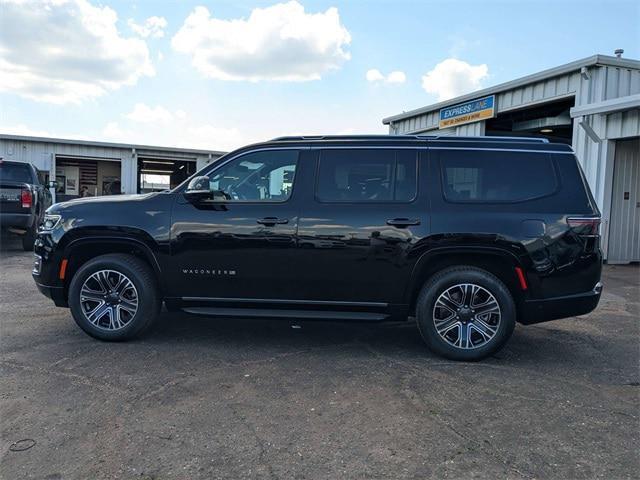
(537, 311)
(54, 293)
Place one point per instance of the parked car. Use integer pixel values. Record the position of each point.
(467, 235)
(24, 197)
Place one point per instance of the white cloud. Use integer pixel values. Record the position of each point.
(145, 114)
(280, 42)
(65, 51)
(375, 76)
(152, 27)
(452, 77)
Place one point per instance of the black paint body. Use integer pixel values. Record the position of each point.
(342, 260)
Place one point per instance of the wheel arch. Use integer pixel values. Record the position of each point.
(496, 261)
(80, 250)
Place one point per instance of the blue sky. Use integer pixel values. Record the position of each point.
(96, 70)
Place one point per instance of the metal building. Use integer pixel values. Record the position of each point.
(104, 168)
(592, 104)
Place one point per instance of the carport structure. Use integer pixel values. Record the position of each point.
(592, 104)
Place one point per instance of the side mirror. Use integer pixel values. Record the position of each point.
(198, 189)
(53, 184)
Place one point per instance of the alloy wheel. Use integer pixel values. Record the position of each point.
(466, 316)
(109, 299)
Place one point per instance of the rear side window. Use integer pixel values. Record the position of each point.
(495, 177)
(361, 176)
(12, 172)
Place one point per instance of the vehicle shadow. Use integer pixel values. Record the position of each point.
(10, 244)
(529, 348)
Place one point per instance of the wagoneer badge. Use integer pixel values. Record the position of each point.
(208, 271)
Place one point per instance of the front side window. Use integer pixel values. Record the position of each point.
(495, 177)
(376, 175)
(266, 176)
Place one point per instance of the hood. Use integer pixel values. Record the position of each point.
(100, 201)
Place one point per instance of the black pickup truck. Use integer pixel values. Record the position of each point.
(24, 197)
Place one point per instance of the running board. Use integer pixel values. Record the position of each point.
(281, 313)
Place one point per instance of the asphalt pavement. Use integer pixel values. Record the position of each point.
(211, 398)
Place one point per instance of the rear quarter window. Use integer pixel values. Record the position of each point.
(470, 176)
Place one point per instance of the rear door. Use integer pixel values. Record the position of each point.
(363, 213)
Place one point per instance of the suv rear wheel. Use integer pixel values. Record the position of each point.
(114, 297)
(465, 313)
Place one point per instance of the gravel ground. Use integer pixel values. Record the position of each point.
(204, 398)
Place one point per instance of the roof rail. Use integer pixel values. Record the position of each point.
(451, 138)
(485, 138)
(350, 137)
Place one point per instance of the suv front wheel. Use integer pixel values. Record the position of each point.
(465, 313)
(114, 297)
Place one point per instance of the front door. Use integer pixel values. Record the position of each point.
(239, 242)
(360, 221)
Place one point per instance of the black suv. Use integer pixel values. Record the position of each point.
(467, 235)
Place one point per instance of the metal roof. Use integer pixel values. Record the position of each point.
(90, 143)
(536, 77)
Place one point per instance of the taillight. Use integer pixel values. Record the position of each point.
(26, 197)
(584, 225)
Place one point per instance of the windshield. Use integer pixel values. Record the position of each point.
(11, 172)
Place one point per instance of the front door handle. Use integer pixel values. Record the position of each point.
(271, 221)
(403, 222)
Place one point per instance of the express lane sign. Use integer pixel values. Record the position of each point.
(468, 112)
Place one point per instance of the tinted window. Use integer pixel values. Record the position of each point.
(367, 176)
(260, 176)
(476, 176)
(12, 172)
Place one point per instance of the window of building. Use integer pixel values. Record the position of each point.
(477, 176)
(376, 175)
(259, 176)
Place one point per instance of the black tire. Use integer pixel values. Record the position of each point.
(144, 281)
(28, 240)
(447, 281)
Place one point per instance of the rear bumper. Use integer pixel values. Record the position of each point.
(54, 293)
(537, 311)
(16, 220)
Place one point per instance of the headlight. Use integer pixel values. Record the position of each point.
(50, 222)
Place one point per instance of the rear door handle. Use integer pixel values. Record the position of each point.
(403, 222)
(271, 221)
